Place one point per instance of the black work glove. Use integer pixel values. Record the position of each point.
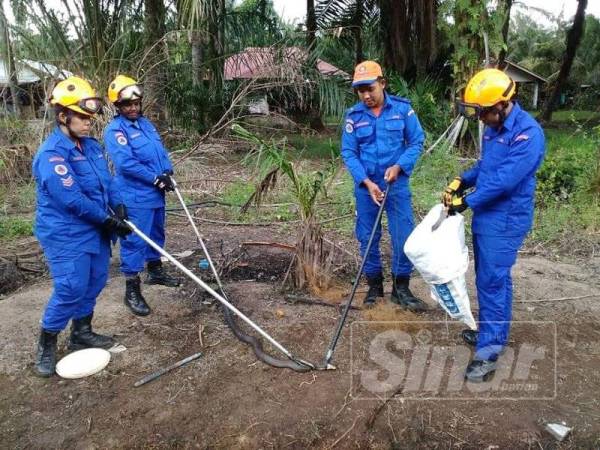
(458, 205)
(164, 183)
(121, 212)
(113, 224)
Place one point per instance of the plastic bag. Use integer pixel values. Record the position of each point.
(442, 258)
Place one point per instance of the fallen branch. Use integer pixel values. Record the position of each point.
(561, 299)
(313, 301)
(242, 224)
(268, 244)
(338, 440)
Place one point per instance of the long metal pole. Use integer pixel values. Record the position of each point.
(208, 289)
(200, 240)
(342, 320)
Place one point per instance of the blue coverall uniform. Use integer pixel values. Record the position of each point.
(72, 188)
(370, 145)
(502, 204)
(136, 149)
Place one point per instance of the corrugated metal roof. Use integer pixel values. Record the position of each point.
(31, 72)
(25, 75)
(268, 62)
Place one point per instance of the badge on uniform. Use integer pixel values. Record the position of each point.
(349, 128)
(121, 139)
(61, 169)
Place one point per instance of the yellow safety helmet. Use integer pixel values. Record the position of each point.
(76, 94)
(487, 88)
(124, 88)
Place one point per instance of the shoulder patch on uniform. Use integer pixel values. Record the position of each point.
(121, 139)
(61, 169)
(522, 137)
(67, 182)
(349, 128)
(56, 159)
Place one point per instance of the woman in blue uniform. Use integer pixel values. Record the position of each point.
(74, 221)
(143, 175)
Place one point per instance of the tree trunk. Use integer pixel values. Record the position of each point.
(395, 30)
(7, 54)
(573, 39)
(311, 23)
(154, 62)
(505, 27)
(357, 32)
(425, 35)
(197, 57)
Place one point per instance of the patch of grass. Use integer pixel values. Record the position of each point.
(314, 146)
(431, 175)
(570, 115)
(12, 227)
(19, 198)
(570, 165)
(237, 193)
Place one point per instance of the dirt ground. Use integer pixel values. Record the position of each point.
(228, 399)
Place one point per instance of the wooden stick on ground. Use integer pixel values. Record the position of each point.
(561, 299)
(313, 301)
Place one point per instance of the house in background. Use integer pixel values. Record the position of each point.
(270, 63)
(34, 80)
(521, 75)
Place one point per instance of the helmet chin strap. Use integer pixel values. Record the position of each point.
(67, 124)
(502, 112)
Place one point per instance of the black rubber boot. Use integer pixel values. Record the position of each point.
(375, 290)
(158, 275)
(82, 335)
(134, 299)
(470, 337)
(480, 370)
(45, 360)
(402, 296)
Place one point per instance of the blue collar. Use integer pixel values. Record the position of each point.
(64, 140)
(386, 104)
(130, 123)
(509, 122)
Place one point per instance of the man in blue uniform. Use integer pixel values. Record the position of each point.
(143, 175)
(381, 142)
(74, 221)
(502, 204)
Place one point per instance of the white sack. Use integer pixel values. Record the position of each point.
(442, 259)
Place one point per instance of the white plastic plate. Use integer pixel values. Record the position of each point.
(83, 363)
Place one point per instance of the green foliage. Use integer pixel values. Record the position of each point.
(12, 227)
(431, 175)
(426, 96)
(272, 157)
(569, 166)
(464, 23)
(237, 192)
(314, 146)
